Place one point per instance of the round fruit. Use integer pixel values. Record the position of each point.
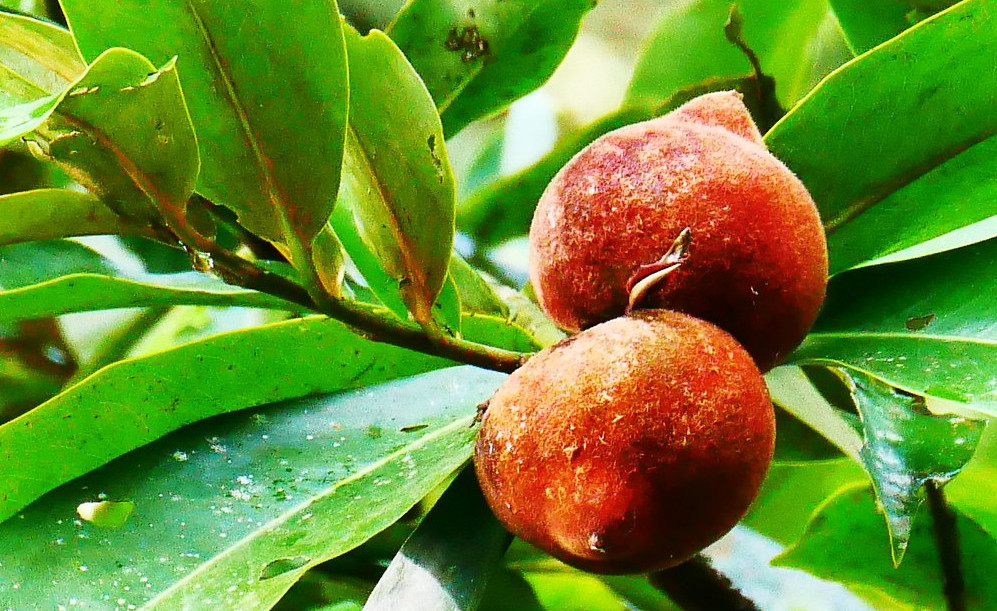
(752, 257)
(628, 447)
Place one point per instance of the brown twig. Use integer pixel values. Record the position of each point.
(947, 542)
(694, 585)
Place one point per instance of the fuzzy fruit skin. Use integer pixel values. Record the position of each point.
(647, 436)
(757, 261)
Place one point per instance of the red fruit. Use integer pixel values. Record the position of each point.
(630, 446)
(755, 262)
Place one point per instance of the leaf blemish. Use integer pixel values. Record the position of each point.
(437, 163)
(917, 323)
(468, 41)
(283, 565)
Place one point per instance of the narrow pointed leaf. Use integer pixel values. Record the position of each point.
(912, 130)
(46, 214)
(478, 57)
(88, 292)
(229, 513)
(134, 402)
(435, 570)
(829, 550)
(270, 118)
(36, 58)
(397, 179)
(938, 341)
(905, 446)
(123, 131)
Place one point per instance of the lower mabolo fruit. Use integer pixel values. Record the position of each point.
(630, 446)
(754, 260)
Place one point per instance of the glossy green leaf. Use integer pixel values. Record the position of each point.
(905, 446)
(911, 129)
(16, 121)
(867, 24)
(478, 56)
(846, 542)
(792, 491)
(46, 214)
(397, 181)
(87, 292)
(438, 569)
(924, 325)
(229, 513)
(36, 59)
(973, 492)
(123, 131)
(688, 46)
(23, 265)
(134, 402)
(476, 295)
(270, 117)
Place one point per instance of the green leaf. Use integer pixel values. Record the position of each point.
(688, 46)
(123, 131)
(447, 561)
(973, 492)
(270, 118)
(916, 148)
(397, 180)
(229, 513)
(16, 121)
(905, 446)
(923, 326)
(36, 58)
(23, 265)
(134, 402)
(476, 295)
(845, 542)
(46, 214)
(792, 491)
(87, 292)
(477, 57)
(867, 24)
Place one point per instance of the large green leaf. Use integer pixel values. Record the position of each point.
(134, 402)
(36, 58)
(845, 542)
(911, 128)
(123, 131)
(87, 292)
(45, 214)
(477, 56)
(23, 265)
(229, 513)
(905, 447)
(267, 95)
(397, 181)
(688, 46)
(436, 566)
(924, 325)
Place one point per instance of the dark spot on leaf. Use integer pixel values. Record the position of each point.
(916, 323)
(283, 565)
(411, 428)
(467, 41)
(437, 163)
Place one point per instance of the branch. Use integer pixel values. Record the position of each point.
(694, 585)
(947, 543)
(375, 324)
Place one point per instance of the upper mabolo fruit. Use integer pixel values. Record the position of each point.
(755, 262)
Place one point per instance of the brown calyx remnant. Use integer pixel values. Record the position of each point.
(629, 447)
(758, 262)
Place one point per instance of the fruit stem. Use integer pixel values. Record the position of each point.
(947, 542)
(649, 276)
(694, 585)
